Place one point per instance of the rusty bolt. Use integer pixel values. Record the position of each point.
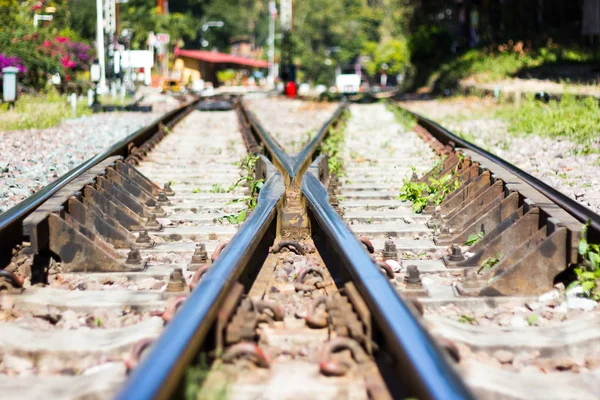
(152, 222)
(200, 255)
(158, 209)
(413, 276)
(456, 254)
(167, 189)
(389, 251)
(143, 237)
(162, 197)
(134, 256)
(176, 281)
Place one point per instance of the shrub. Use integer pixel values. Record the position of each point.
(42, 54)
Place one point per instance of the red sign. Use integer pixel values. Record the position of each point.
(163, 38)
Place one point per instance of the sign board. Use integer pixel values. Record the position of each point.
(137, 59)
(286, 15)
(163, 38)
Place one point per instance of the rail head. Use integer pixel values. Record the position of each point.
(159, 375)
(422, 364)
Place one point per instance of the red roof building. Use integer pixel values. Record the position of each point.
(207, 63)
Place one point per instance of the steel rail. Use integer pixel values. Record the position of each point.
(303, 159)
(11, 221)
(577, 210)
(278, 156)
(159, 375)
(422, 367)
(423, 364)
(294, 165)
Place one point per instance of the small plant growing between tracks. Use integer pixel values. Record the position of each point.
(474, 238)
(489, 263)
(195, 378)
(247, 163)
(419, 193)
(533, 320)
(466, 319)
(332, 145)
(402, 116)
(588, 271)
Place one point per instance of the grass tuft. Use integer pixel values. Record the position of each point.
(39, 112)
(575, 119)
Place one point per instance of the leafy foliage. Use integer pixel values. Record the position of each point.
(332, 146)
(489, 263)
(393, 52)
(575, 119)
(474, 238)
(588, 272)
(533, 320)
(247, 164)
(38, 112)
(420, 193)
(500, 62)
(41, 53)
(467, 319)
(402, 116)
(226, 75)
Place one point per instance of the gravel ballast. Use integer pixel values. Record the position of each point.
(31, 159)
(552, 160)
(292, 122)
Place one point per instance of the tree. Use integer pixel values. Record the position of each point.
(393, 52)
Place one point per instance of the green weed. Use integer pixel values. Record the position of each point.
(402, 116)
(466, 319)
(575, 119)
(588, 271)
(39, 112)
(247, 163)
(489, 263)
(487, 65)
(474, 238)
(332, 146)
(216, 188)
(533, 320)
(420, 193)
(195, 377)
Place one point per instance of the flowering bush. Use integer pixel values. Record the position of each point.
(6, 61)
(41, 55)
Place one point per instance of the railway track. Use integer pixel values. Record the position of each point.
(142, 281)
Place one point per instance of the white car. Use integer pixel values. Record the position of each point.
(348, 83)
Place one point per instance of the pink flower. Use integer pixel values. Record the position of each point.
(15, 40)
(67, 77)
(47, 44)
(37, 6)
(61, 39)
(65, 61)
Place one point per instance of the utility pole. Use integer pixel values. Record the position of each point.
(100, 45)
(272, 16)
(287, 59)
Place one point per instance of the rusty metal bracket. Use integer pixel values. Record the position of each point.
(225, 312)
(88, 220)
